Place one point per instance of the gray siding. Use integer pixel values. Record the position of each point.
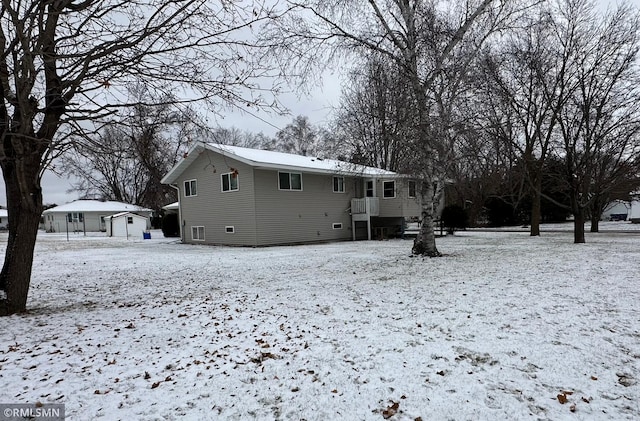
(301, 216)
(215, 209)
(400, 206)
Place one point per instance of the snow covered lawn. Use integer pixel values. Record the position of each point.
(503, 327)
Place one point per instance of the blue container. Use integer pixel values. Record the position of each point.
(146, 236)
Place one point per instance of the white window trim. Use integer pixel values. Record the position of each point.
(230, 229)
(290, 189)
(394, 189)
(230, 174)
(333, 184)
(194, 180)
(197, 230)
(337, 225)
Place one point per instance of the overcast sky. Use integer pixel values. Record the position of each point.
(317, 105)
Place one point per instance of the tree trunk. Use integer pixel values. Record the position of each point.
(24, 206)
(425, 242)
(578, 226)
(596, 214)
(536, 206)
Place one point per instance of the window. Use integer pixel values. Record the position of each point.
(338, 184)
(197, 233)
(388, 189)
(230, 181)
(75, 217)
(369, 188)
(412, 188)
(337, 225)
(289, 181)
(230, 229)
(129, 219)
(190, 188)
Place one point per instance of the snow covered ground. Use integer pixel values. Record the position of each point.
(504, 327)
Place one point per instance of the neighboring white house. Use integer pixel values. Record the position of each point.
(634, 215)
(126, 224)
(87, 215)
(618, 210)
(4, 219)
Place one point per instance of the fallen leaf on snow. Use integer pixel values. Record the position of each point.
(391, 410)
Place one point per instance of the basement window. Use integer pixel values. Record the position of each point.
(197, 233)
(337, 225)
(230, 229)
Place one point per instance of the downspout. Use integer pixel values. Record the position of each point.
(175, 186)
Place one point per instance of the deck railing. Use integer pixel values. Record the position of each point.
(366, 205)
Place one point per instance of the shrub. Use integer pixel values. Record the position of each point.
(171, 225)
(454, 217)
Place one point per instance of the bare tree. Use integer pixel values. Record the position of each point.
(298, 137)
(373, 119)
(432, 43)
(599, 124)
(64, 62)
(127, 159)
(526, 73)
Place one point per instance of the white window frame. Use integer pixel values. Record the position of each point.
(290, 188)
(129, 220)
(415, 189)
(384, 190)
(230, 176)
(337, 225)
(369, 192)
(230, 229)
(191, 183)
(338, 184)
(75, 217)
(198, 229)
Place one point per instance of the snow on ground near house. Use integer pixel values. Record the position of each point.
(604, 226)
(503, 327)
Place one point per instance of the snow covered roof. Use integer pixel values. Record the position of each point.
(276, 160)
(97, 206)
(172, 206)
(121, 214)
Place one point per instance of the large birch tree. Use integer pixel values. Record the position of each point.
(432, 44)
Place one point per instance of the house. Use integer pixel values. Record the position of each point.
(86, 215)
(239, 196)
(634, 215)
(126, 224)
(4, 219)
(616, 211)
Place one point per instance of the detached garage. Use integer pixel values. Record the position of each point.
(126, 224)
